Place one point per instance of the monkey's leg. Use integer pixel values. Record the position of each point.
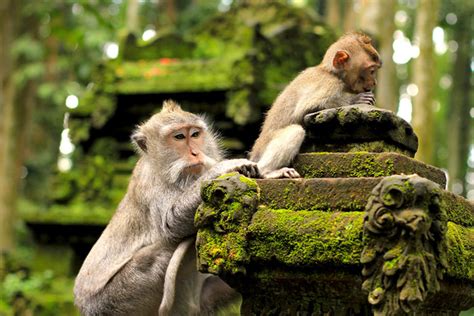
(216, 296)
(136, 289)
(280, 152)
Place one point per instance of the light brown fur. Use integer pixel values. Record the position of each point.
(345, 76)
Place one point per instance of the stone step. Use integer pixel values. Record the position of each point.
(313, 238)
(364, 164)
(299, 238)
(346, 195)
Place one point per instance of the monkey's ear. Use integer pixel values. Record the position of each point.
(340, 59)
(139, 139)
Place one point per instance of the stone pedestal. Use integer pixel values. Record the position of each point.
(362, 233)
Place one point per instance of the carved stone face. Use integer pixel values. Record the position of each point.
(415, 220)
(406, 232)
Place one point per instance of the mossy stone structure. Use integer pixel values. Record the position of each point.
(364, 232)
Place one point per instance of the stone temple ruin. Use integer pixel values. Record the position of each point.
(360, 234)
(368, 230)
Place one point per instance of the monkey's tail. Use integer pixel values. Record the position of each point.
(169, 287)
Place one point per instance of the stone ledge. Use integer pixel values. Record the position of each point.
(327, 287)
(359, 124)
(364, 164)
(344, 194)
(315, 238)
(405, 233)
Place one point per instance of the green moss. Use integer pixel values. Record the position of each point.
(251, 184)
(228, 204)
(222, 253)
(363, 165)
(158, 76)
(460, 251)
(342, 194)
(372, 146)
(306, 237)
(36, 293)
(168, 45)
(458, 209)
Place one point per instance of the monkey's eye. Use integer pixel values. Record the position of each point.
(179, 136)
(195, 134)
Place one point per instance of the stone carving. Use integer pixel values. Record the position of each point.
(228, 205)
(405, 254)
(359, 128)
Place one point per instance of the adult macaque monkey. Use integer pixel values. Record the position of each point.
(345, 76)
(124, 273)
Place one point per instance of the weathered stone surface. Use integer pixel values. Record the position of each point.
(332, 291)
(342, 194)
(364, 164)
(307, 240)
(405, 257)
(359, 124)
(345, 194)
(228, 205)
(283, 236)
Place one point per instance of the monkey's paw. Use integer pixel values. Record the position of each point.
(282, 173)
(364, 98)
(249, 170)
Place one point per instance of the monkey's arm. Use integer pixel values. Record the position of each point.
(321, 100)
(317, 99)
(178, 217)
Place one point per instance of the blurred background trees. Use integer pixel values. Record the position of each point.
(51, 50)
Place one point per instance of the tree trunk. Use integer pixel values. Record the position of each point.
(16, 104)
(333, 14)
(377, 19)
(423, 75)
(8, 111)
(133, 22)
(459, 127)
(349, 16)
(171, 10)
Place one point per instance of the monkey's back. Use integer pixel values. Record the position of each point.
(282, 113)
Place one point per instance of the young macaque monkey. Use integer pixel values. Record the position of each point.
(150, 238)
(345, 76)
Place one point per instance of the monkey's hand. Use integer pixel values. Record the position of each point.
(364, 98)
(244, 166)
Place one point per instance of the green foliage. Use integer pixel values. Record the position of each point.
(91, 181)
(40, 293)
(60, 45)
(26, 291)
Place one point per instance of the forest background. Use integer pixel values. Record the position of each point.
(49, 51)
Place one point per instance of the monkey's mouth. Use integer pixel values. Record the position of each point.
(195, 167)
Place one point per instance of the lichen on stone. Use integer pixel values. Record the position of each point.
(305, 237)
(228, 204)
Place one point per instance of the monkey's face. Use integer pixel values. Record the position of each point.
(357, 68)
(362, 76)
(366, 80)
(188, 143)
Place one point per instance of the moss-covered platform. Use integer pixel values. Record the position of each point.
(361, 234)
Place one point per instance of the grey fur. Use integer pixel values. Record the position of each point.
(125, 270)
